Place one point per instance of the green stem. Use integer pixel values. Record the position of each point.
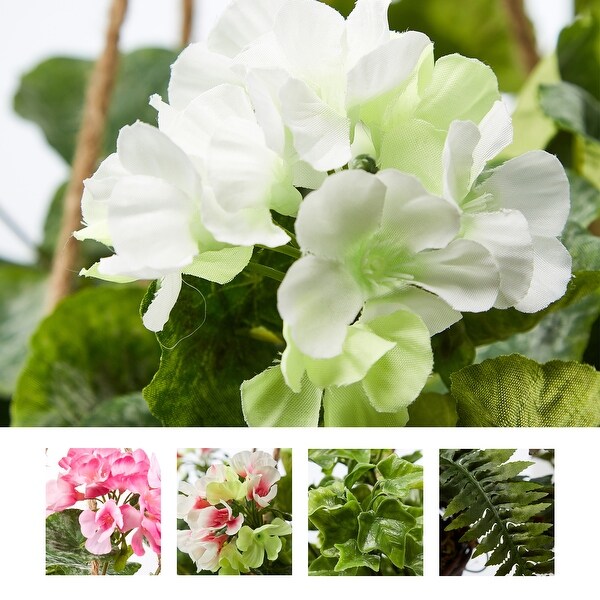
(105, 568)
(287, 250)
(265, 271)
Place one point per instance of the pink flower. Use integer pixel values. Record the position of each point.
(145, 526)
(214, 518)
(260, 485)
(60, 494)
(202, 546)
(245, 462)
(129, 471)
(88, 467)
(98, 526)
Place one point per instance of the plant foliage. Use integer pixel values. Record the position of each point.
(369, 522)
(485, 496)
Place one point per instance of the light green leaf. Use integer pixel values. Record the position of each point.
(359, 470)
(514, 391)
(80, 359)
(399, 476)
(351, 556)
(337, 524)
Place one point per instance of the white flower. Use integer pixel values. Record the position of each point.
(145, 202)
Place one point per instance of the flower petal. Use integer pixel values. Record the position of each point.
(268, 402)
(321, 135)
(367, 28)
(463, 138)
(349, 407)
(506, 235)
(318, 299)
(536, 185)
(464, 274)
(164, 300)
(346, 209)
(551, 274)
(220, 266)
(399, 376)
(460, 89)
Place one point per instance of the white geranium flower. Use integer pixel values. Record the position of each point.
(145, 202)
(367, 240)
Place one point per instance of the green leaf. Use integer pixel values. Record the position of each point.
(65, 548)
(209, 349)
(52, 95)
(351, 557)
(326, 496)
(578, 51)
(585, 200)
(80, 359)
(337, 524)
(324, 566)
(572, 108)
(130, 409)
(399, 476)
(514, 391)
(22, 294)
(327, 459)
(452, 350)
(359, 470)
(432, 410)
(284, 485)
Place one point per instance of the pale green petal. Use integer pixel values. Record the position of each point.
(268, 402)
(460, 89)
(217, 491)
(94, 271)
(319, 299)
(385, 68)
(321, 135)
(343, 212)
(398, 377)
(414, 219)
(505, 234)
(551, 274)
(464, 274)
(278, 527)
(241, 24)
(463, 138)
(361, 350)
(165, 297)
(349, 407)
(536, 185)
(415, 147)
(220, 266)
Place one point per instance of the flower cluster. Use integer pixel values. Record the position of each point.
(232, 524)
(402, 223)
(122, 490)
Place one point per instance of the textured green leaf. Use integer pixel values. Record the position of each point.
(432, 410)
(572, 108)
(351, 557)
(327, 459)
(325, 566)
(337, 524)
(399, 476)
(130, 410)
(359, 470)
(22, 291)
(514, 391)
(209, 348)
(80, 359)
(65, 548)
(452, 350)
(52, 95)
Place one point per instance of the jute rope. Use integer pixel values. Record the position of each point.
(523, 33)
(187, 22)
(87, 151)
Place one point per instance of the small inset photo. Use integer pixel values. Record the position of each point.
(365, 512)
(497, 512)
(102, 512)
(234, 511)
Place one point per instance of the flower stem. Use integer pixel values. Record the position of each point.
(265, 271)
(287, 250)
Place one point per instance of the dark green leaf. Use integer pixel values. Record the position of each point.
(572, 108)
(514, 391)
(22, 292)
(130, 410)
(284, 485)
(585, 200)
(52, 95)
(209, 348)
(452, 350)
(80, 359)
(432, 410)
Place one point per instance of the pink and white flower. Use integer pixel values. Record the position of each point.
(98, 526)
(213, 518)
(203, 547)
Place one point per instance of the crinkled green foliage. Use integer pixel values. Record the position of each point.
(66, 553)
(370, 521)
(485, 494)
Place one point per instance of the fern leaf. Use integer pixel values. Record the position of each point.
(486, 495)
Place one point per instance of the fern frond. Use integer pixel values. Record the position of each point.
(497, 507)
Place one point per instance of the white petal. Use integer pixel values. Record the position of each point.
(385, 68)
(464, 274)
(463, 138)
(345, 209)
(94, 271)
(410, 214)
(166, 295)
(318, 299)
(144, 150)
(197, 70)
(437, 314)
(150, 223)
(536, 185)
(220, 266)
(241, 24)
(551, 274)
(496, 133)
(506, 235)
(119, 269)
(362, 144)
(321, 135)
(367, 28)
